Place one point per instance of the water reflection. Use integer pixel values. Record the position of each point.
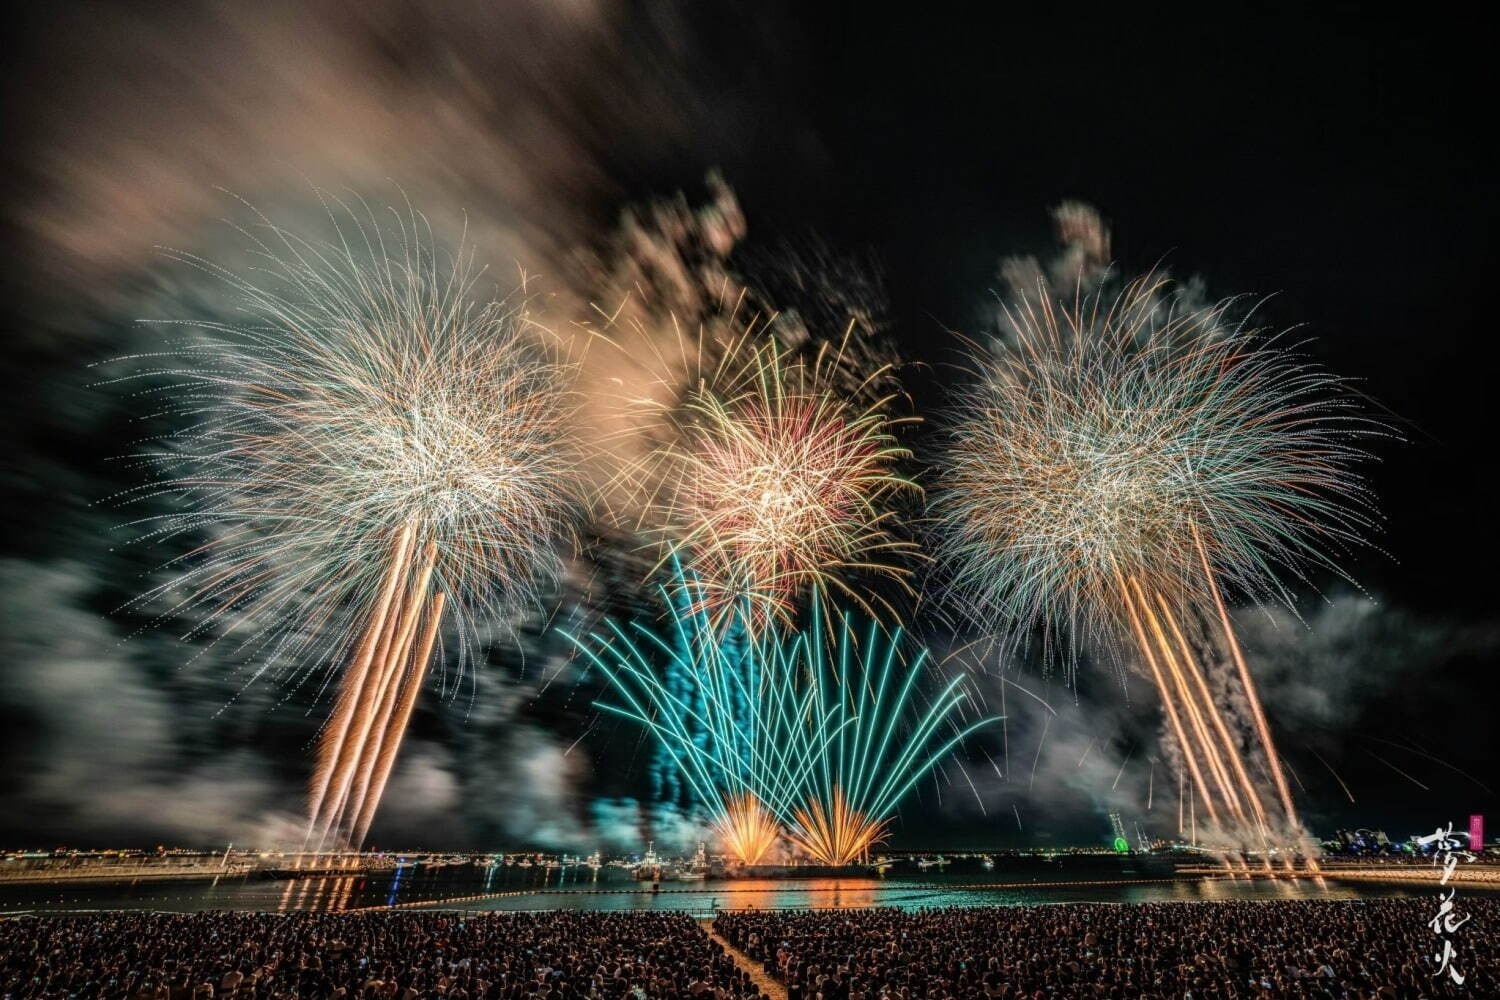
(579, 887)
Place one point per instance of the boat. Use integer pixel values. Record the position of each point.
(697, 869)
(648, 869)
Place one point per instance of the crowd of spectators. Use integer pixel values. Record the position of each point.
(1346, 950)
(1382, 949)
(165, 956)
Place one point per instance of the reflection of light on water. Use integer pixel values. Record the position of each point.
(344, 889)
(818, 893)
(1182, 890)
(530, 889)
(826, 893)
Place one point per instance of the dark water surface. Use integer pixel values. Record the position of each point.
(962, 883)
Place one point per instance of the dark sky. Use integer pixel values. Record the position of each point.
(1330, 161)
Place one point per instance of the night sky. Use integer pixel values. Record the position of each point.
(1330, 164)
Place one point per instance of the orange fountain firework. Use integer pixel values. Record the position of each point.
(834, 833)
(746, 829)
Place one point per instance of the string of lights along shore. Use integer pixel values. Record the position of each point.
(378, 462)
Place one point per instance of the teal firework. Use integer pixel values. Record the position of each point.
(879, 738)
(783, 730)
(719, 705)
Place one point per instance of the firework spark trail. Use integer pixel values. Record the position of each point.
(1215, 746)
(1041, 742)
(1170, 704)
(1120, 773)
(749, 829)
(1178, 688)
(995, 767)
(1004, 725)
(1262, 727)
(1201, 704)
(1398, 770)
(1332, 772)
(369, 446)
(351, 779)
(978, 799)
(777, 479)
(1295, 776)
(396, 723)
(1435, 759)
(353, 682)
(1118, 464)
(1086, 751)
(1221, 729)
(1180, 827)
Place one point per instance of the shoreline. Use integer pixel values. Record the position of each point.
(123, 875)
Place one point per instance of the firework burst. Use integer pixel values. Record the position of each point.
(778, 480)
(1125, 437)
(1119, 465)
(366, 451)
